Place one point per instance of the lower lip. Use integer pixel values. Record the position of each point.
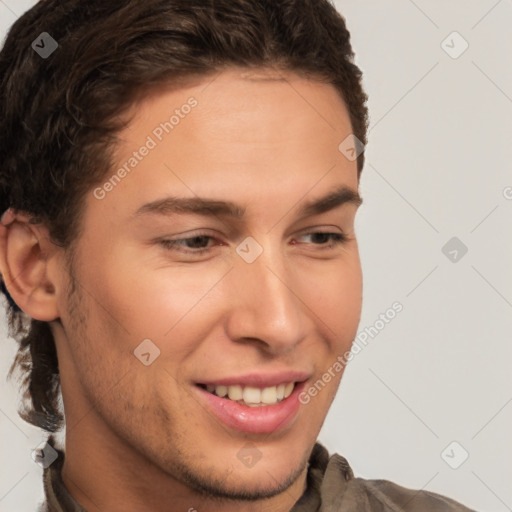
(255, 420)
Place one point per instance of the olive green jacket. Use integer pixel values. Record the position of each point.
(331, 487)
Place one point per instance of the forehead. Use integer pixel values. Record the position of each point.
(240, 107)
(245, 134)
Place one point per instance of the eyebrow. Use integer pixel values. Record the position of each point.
(211, 207)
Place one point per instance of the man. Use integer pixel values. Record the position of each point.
(178, 248)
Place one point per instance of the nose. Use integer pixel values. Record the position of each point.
(267, 307)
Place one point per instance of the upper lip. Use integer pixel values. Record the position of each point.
(258, 379)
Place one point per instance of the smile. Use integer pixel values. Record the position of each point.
(252, 396)
(248, 408)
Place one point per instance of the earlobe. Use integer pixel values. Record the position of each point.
(25, 253)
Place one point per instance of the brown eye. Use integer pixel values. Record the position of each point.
(320, 238)
(193, 245)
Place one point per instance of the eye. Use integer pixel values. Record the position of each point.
(322, 237)
(197, 244)
(200, 243)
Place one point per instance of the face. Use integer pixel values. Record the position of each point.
(246, 294)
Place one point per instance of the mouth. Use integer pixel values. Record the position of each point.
(253, 408)
(252, 396)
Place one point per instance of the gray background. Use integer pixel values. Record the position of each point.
(438, 166)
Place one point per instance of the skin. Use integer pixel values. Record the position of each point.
(136, 436)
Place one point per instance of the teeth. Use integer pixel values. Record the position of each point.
(221, 391)
(251, 396)
(269, 395)
(235, 393)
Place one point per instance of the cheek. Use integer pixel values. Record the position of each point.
(135, 298)
(144, 299)
(335, 296)
(349, 305)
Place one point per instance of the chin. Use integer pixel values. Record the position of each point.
(249, 484)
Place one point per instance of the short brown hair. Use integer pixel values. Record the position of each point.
(59, 115)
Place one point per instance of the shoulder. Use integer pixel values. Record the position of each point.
(389, 496)
(342, 491)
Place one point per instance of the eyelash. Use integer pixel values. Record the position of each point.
(173, 245)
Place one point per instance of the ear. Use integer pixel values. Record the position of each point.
(25, 253)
